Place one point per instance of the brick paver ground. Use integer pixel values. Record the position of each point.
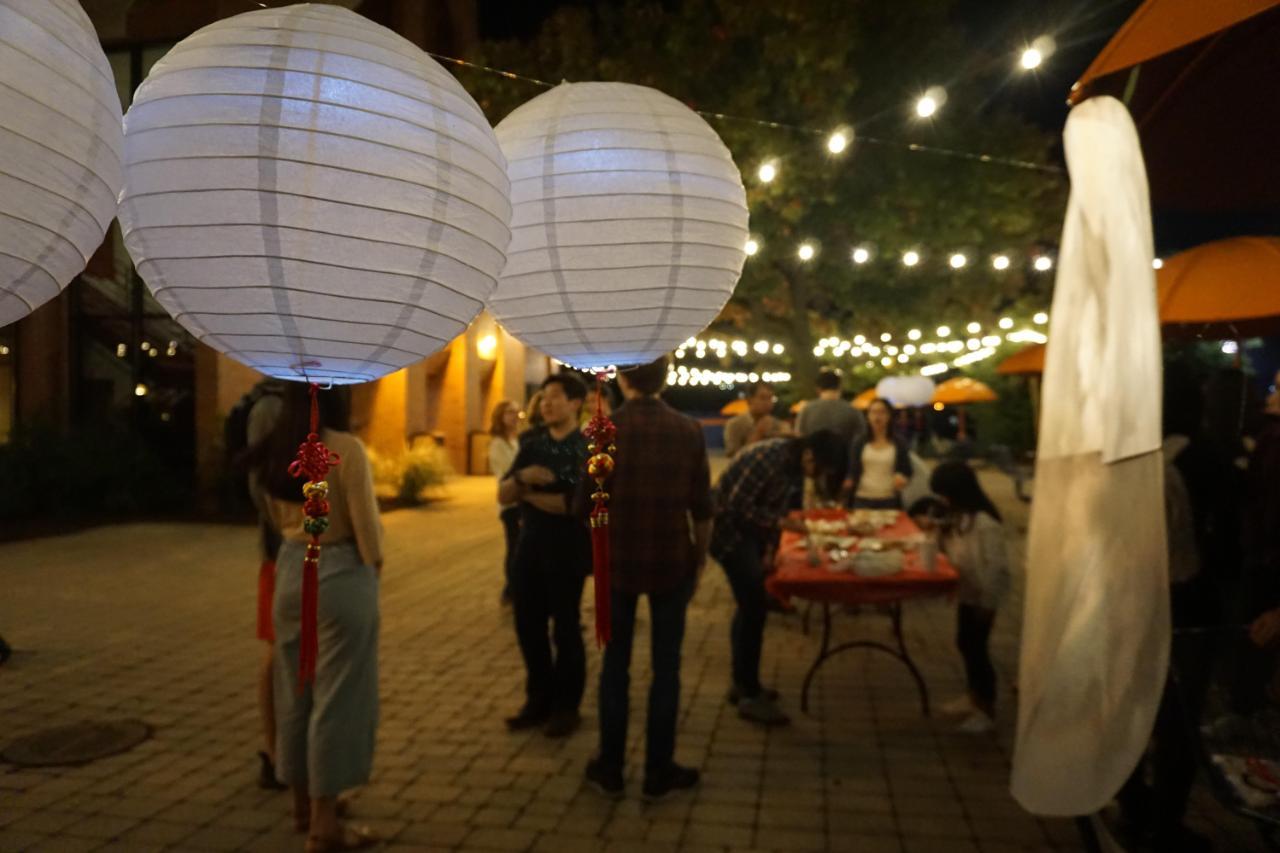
(155, 621)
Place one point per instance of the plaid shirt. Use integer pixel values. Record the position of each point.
(753, 495)
(661, 479)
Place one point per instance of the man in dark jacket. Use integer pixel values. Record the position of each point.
(660, 482)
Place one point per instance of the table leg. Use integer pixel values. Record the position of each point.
(826, 652)
(822, 656)
(895, 614)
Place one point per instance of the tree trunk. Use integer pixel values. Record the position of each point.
(804, 366)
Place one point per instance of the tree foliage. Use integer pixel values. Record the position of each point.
(821, 64)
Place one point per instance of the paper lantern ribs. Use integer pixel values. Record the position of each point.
(309, 193)
(60, 150)
(628, 228)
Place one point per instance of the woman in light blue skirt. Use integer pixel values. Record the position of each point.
(325, 733)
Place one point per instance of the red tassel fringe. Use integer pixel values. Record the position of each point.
(601, 433)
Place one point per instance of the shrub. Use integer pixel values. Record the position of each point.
(411, 476)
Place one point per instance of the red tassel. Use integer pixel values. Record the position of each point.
(309, 642)
(601, 432)
(313, 462)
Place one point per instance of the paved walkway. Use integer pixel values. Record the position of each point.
(155, 621)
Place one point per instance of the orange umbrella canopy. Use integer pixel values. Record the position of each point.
(961, 390)
(863, 400)
(1026, 361)
(1228, 288)
(1193, 74)
(734, 407)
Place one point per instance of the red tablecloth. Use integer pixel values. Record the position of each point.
(796, 578)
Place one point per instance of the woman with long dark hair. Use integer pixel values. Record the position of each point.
(325, 732)
(879, 464)
(504, 430)
(973, 539)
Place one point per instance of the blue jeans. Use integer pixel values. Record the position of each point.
(744, 566)
(666, 617)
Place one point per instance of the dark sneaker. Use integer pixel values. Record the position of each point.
(562, 724)
(761, 709)
(735, 694)
(267, 780)
(675, 779)
(606, 780)
(527, 718)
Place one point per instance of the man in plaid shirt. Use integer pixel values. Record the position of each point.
(751, 502)
(662, 480)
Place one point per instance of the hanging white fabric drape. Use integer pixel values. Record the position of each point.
(1095, 642)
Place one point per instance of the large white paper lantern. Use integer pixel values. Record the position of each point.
(60, 149)
(312, 195)
(906, 391)
(629, 224)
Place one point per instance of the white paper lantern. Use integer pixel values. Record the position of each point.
(629, 224)
(908, 391)
(60, 149)
(312, 195)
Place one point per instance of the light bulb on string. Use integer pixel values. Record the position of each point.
(957, 261)
(913, 335)
(1040, 318)
(931, 101)
(944, 331)
(861, 255)
(768, 171)
(886, 337)
(838, 141)
(1157, 264)
(1043, 263)
(1034, 54)
(974, 327)
(806, 252)
(751, 246)
(910, 258)
(1000, 262)
(1006, 323)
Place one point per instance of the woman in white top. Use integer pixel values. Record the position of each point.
(504, 425)
(974, 541)
(879, 465)
(324, 733)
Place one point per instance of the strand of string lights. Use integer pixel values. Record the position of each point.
(838, 140)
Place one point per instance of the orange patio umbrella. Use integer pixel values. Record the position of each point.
(1028, 361)
(1224, 289)
(863, 401)
(734, 407)
(962, 390)
(1196, 77)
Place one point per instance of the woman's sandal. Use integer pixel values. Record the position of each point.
(303, 823)
(353, 838)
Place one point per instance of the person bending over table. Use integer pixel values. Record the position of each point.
(973, 539)
(750, 504)
(879, 464)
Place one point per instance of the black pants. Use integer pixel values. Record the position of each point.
(666, 629)
(1172, 757)
(511, 527)
(973, 637)
(546, 590)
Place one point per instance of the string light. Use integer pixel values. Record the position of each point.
(1040, 318)
(910, 258)
(768, 171)
(1043, 263)
(1034, 54)
(861, 255)
(933, 369)
(751, 247)
(973, 328)
(806, 251)
(957, 261)
(886, 337)
(838, 141)
(779, 349)
(944, 331)
(1157, 264)
(140, 390)
(931, 101)
(1031, 58)
(1000, 262)
(913, 335)
(761, 347)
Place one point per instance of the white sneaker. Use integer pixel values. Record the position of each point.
(960, 706)
(977, 723)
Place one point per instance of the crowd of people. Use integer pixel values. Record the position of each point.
(318, 742)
